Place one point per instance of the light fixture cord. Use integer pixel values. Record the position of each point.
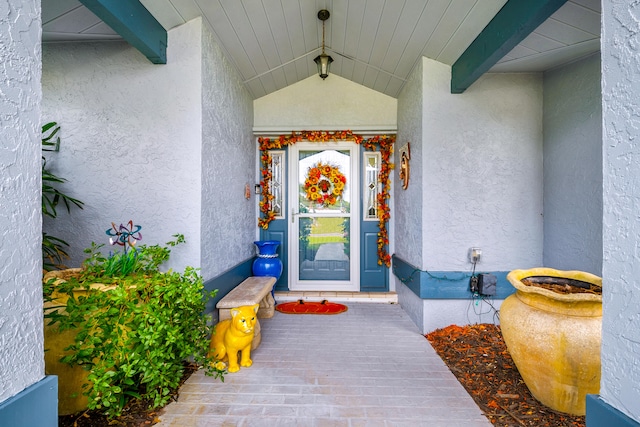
(323, 37)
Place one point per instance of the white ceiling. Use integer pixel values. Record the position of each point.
(375, 43)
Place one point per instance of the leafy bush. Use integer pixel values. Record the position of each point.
(135, 334)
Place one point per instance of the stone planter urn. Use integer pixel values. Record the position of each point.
(552, 328)
(70, 378)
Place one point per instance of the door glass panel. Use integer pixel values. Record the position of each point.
(323, 181)
(276, 184)
(324, 248)
(324, 226)
(371, 185)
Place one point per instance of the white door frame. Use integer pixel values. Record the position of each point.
(353, 184)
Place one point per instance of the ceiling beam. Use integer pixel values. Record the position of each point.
(135, 24)
(512, 24)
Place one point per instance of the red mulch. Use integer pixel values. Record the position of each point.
(478, 357)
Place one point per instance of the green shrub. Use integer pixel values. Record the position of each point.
(134, 337)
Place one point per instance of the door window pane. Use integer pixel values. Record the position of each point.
(323, 183)
(325, 247)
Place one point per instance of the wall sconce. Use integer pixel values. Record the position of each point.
(323, 61)
(257, 189)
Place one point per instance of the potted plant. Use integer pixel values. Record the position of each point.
(132, 325)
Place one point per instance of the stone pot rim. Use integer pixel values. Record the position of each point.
(515, 278)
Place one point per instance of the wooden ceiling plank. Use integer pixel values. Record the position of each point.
(579, 17)
(424, 29)
(101, 29)
(451, 20)
(288, 43)
(540, 43)
(53, 9)
(355, 19)
(394, 87)
(227, 37)
(165, 12)
(236, 12)
(309, 18)
(563, 33)
(135, 24)
(381, 82)
(368, 33)
(594, 5)
(264, 30)
(336, 27)
(290, 73)
(520, 52)
(187, 9)
(370, 77)
(74, 21)
(544, 61)
(469, 28)
(515, 21)
(359, 70)
(255, 89)
(293, 26)
(386, 30)
(409, 17)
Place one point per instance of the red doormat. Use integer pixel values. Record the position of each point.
(310, 307)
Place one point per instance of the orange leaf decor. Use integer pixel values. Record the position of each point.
(329, 190)
(324, 184)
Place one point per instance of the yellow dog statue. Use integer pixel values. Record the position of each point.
(235, 335)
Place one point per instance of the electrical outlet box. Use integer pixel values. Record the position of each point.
(474, 255)
(473, 284)
(487, 284)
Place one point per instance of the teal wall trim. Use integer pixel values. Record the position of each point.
(37, 405)
(444, 284)
(601, 414)
(512, 24)
(226, 281)
(135, 24)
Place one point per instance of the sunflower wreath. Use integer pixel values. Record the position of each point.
(324, 184)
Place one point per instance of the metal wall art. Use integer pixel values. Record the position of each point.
(405, 156)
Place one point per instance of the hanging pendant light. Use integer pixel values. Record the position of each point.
(323, 61)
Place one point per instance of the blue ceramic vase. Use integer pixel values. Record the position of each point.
(267, 263)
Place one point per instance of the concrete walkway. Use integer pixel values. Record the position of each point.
(366, 367)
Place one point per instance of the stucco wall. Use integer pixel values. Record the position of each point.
(131, 140)
(407, 215)
(21, 336)
(482, 171)
(573, 167)
(331, 104)
(476, 180)
(620, 384)
(229, 220)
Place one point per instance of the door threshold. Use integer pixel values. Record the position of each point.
(337, 296)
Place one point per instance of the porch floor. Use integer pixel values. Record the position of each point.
(369, 366)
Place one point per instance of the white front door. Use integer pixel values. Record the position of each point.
(324, 224)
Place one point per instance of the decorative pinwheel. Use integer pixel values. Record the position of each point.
(124, 235)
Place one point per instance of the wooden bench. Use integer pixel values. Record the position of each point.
(253, 290)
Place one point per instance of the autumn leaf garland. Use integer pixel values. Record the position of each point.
(383, 143)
